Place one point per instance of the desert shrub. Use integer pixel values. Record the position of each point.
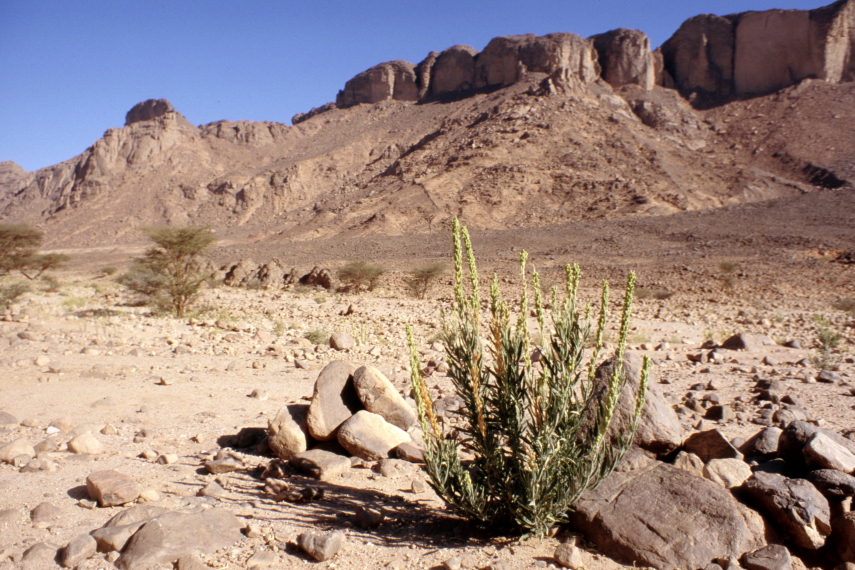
(827, 339)
(359, 275)
(846, 304)
(10, 293)
(19, 244)
(317, 336)
(728, 271)
(539, 435)
(320, 299)
(54, 285)
(108, 271)
(421, 278)
(168, 274)
(658, 294)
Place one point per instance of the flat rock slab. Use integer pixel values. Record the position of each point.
(794, 505)
(711, 444)
(379, 396)
(172, 535)
(321, 464)
(370, 437)
(667, 518)
(334, 400)
(111, 488)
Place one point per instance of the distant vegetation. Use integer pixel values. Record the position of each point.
(19, 244)
(360, 275)
(421, 278)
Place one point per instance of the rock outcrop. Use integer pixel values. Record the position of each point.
(625, 58)
(754, 53)
(12, 176)
(391, 80)
(453, 71)
(148, 110)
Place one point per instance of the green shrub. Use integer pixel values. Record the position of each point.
(828, 339)
(359, 275)
(108, 271)
(19, 245)
(539, 435)
(317, 336)
(421, 278)
(10, 293)
(729, 273)
(167, 276)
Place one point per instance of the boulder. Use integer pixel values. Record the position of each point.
(764, 443)
(711, 444)
(171, 535)
(85, 443)
(659, 428)
(341, 341)
(728, 473)
(508, 59)
(148, 110)
(625, 58)
(334, 400)
(111, 488)
(288, 432)
(79, 549)
(370, 437)
(795, 506)
(241, 273)
(823, 452)
(832, 483)
(321, 464)
(391, 80)
(16, 448)
(317, 277)
(379, 396)
(453, 72)
(772, 557)
(667, 518)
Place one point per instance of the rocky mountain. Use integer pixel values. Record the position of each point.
(532, 130)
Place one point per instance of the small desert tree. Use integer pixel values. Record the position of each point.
(540, 434)
(19, 244)
(168, 274)
(358, 275)
(421, 278)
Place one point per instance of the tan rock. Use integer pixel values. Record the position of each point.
(370, 437)
(85, 443)
(334, 400)
(826, 453)
(453, 71)
(111, 488)
(379, 396)
(728, 473)
(625, 58)
(391, 80)
(289, 431)
(16, 448)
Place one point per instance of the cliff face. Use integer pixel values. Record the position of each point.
(532, 130)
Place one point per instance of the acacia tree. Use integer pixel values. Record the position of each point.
(19, 244)
(168, 274)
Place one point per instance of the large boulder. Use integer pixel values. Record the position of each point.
(288, 432)
(390, 80)
(379, 396)
(625, 58)
(507, 59)
(659, 428)
(334, 400)
(666, 518)
(795, 506)
(453, 71)
(370, 437)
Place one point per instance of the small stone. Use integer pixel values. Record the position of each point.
(149, 454)
(367, 517)
(341, 341)
(569, 556)
(321, 546)
(79, 549)
(44, 513)
(227, 465)
(85, 443)
(7, 419)
(689, 462)
(409, 451)
(109, 429)
(259, 395)
(111, 488)
(711, 444)
(728, 473)
(418, 487)
(149, 496)
(39, 555)
(321, 464)
(772, 557)
(212, 489)
(16, 448)
(168, 459)
(828, 377)
(42, 361)
(453, 563)
(263, 559)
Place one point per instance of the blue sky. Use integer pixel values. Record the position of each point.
(71, 69)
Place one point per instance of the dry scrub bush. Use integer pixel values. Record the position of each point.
(359, 275)
(421, 278)
(538, 433)
(168, 274)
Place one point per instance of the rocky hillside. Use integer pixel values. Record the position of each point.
(530, 131)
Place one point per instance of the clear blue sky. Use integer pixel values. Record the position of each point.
(71, 69)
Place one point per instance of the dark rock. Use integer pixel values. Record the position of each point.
(711, 444)
(79, 549)
(772, 557)
(321, 464)
(321, 546)
(317, 277)
(832, 483)
(749, 342)
(763, 443)
(666, 518)
(147, 110)
(659, 428)
(795, 505)
(111, 488)
(409, 452)
(334, 400)
(843, 537)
